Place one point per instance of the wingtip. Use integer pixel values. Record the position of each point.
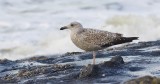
(135, 38)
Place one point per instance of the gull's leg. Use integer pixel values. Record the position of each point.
(94, 57)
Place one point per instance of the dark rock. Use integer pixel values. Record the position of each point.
(39, 58)
(89, 71)
(39, 70)
(144, 80)
(115, 61)
(73, 53)
(8, 79)
(94, 70)
(5, 61)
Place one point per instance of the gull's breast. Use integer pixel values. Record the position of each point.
(78, 40)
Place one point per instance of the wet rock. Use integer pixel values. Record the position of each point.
(144, 80)
(8, 79)
(37, 58)
(115, 61)
(5, 61)
(72, 53)
(41, 59)
(39, 70)
(89, 71)
(95, 70)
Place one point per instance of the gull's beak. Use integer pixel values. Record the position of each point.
(62, 28)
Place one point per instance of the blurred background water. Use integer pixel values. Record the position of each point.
(31, 27)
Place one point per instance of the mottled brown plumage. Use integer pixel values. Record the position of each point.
(92, 39)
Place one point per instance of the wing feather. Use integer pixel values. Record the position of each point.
(100, 38)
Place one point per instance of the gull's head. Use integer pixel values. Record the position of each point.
(72, 26)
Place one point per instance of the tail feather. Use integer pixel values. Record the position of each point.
(120, 41)
(129, 39)
(125, 40)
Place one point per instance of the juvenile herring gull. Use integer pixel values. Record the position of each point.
(94, 40)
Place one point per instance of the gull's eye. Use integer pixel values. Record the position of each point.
(72, 25)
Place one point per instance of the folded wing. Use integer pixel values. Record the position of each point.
(104, 38)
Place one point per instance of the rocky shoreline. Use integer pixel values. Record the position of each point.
(128, 64)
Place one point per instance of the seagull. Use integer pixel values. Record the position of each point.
(93, 39)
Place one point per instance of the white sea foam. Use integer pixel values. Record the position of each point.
(31, 27)
(145, 27)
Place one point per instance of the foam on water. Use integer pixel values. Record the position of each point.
(145, 27)
(31, 27)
